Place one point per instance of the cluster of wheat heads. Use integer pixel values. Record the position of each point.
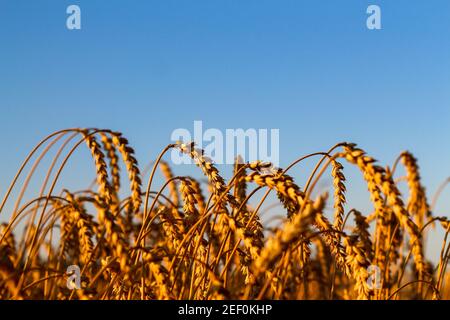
(203, 239)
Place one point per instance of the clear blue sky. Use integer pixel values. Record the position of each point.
(310, 68)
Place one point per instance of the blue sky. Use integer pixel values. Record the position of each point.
(310, 68)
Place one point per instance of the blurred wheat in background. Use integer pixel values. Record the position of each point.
(191, 240)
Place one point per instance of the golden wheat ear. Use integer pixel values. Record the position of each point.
(203, 241)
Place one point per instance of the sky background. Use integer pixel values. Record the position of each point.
(309, 68)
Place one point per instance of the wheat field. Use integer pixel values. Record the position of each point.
(197, 240)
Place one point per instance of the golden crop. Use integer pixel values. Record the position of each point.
(186, 241)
